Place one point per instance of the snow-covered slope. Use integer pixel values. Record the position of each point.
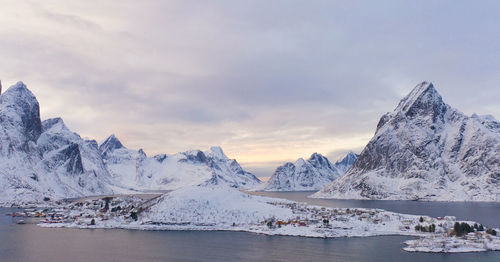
(133, 169)
(43, 159)
(307, 175)
(209, 204)
(426, 150)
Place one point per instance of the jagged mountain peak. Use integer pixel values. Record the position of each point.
(420, 91)
(300, 162)
(318, 160)
(218, 152)
(18, 88)
(194, 156)
(52, 123)
(316, 155)
(20, 111)
(141, 153)
(305, 175)
(423, 103)
(111, 143)
(424, 99)
(350, 157)
(18, 95)
(344, 163)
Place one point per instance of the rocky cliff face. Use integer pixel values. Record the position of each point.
(307, 175)
(426, 150)
(19, 118)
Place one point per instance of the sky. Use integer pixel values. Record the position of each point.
(269, 81)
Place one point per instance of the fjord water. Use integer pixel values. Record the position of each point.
(29, 242)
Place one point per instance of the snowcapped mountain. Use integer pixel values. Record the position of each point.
(307, 175)
(46, 160)
(43, 159)
(346, 162)
(426, 150)
(133, 169)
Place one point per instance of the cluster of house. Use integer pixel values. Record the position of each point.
(438, 225)
(103, 209)
(345, 218)
(314, 215)
(46, 215)
(96, 209)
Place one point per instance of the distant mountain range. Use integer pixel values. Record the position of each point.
(44, 159)
(307, 175)
(133, 169)
(425, 150)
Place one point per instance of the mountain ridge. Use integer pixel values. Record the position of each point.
(307, 175)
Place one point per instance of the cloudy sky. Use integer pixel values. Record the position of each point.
(269, 81)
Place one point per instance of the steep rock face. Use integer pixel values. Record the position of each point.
(310, 175)
(43, 159)
(110, 144)
(75, 161)
(19, 119)
(426, 150)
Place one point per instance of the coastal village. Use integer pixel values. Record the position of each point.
(435, 234)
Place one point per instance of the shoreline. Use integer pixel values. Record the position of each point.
(308, 221)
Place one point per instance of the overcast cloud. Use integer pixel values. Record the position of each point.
(269, 81)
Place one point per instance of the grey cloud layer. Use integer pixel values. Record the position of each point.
(260, 78)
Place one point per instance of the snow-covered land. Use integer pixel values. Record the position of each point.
(473, 242)
(307, 175)
(220, 207)
(425, 150)
(45, 160)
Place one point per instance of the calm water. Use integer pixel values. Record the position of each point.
(31, 243)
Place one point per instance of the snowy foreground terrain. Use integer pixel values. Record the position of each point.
(209, 207)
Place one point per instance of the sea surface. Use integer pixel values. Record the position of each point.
(26, 243)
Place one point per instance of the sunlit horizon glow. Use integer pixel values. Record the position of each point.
(269, 82)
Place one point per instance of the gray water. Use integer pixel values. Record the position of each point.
(29, 242)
